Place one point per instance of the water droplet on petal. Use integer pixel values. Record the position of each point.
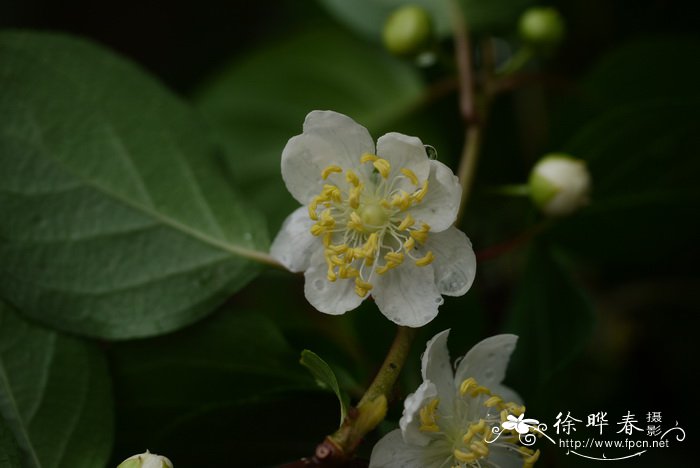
(319, 284)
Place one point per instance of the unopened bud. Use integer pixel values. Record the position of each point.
(559, 184)
(146, 460)
(542, 28)
(408, 31)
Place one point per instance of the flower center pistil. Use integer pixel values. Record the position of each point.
(365, 224)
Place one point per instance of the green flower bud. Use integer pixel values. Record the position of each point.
(408, 31)
(559, 184)
(146, 460)
(542, 28)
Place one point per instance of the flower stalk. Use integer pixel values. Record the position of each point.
(370, 411)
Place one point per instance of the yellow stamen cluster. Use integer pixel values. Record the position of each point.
(472, 450)
(363, 221)
(428, 417)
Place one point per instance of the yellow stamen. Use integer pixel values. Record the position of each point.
(409, 244)
(354, 198)
(338, 249)
(352, 178)
(464, 457)
(383, 167)
(331, 275)
(330, 170)
(394, 257)
(473, 430)
(428, 417)
(410, 174)
(407, 222)
(420, 236)
(530, 461)
(401, 200)
(493, 401)
(362, 287)
(480, 448)
(426, 260)
(467, 385)
(355, 222)
(367, 157)
(317, 229)
(327, 239)
(418, 195)
(331, 192)
(348, 272)
(480, 390)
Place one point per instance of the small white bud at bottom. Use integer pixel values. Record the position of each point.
(146, 460)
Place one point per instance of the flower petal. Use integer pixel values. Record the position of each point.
(441, 203)
(294, 244)
(329, 138)
(455, 262)
(407, 295)
(436, 367)
(487, 361)
(392, 452)
(404, 152)
(504, 458)
(333, 298)
(410, 420)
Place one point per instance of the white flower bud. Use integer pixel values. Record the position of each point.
(146, 460)
(559, 184)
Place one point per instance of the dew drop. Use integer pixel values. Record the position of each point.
(431, 151)
(319, 284)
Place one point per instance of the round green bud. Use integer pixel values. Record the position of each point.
(408, 31)
(559, 184)
(541, 27)
(146, 460)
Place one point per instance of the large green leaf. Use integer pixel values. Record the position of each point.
(119, 220)
(261, 102)
(368, 16)
(644, 161)
(233, 363)
(9, 452)
(551, 315)
(55, 396)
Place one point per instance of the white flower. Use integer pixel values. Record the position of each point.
(560, 184)
(146, 460)
(374, 221)
(449, 419)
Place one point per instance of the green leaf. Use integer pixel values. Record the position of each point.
(325, 378)
(261, 102)
(235, 360)
(645, 188)
(9, 452)
(367, 17)
(552, 317)
(123, 222)
(644, 69)
(55, 396)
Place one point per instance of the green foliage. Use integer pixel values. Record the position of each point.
(235, 363)
(638, 144)
(9, 452)
(55, 397)
(260, 102)
(552, 317)
(124, 223)
(367, 17)
(325, 378)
